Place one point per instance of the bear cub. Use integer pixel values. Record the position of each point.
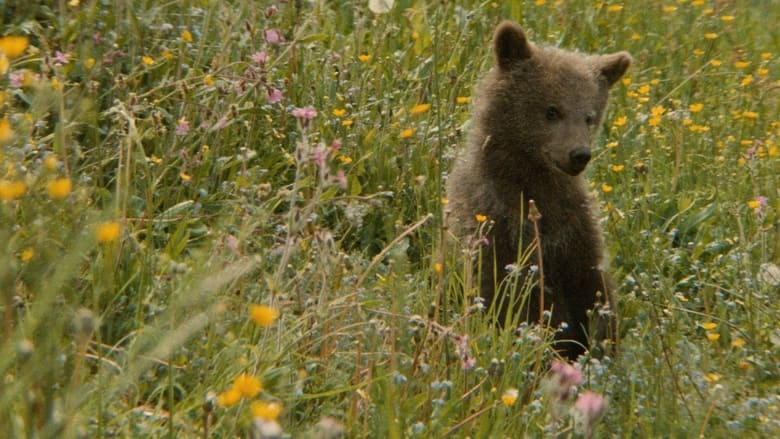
(533, 119)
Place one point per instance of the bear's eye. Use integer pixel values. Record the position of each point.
(552, 114)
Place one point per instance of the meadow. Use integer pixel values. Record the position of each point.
(226, 219)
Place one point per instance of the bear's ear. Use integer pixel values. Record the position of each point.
(510, 44)
(612, 67)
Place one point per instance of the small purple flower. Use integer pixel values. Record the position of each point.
(182, 127)
(273, 95)
(272, 36)
(564, 377)
(16, 79)
(319, 158)
(259, 58)
(60, 58)
(335, 145)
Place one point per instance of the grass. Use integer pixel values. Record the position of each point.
(151, 192)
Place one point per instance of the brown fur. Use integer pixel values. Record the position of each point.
(534, 117)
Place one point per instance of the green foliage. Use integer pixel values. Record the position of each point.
(161, 171)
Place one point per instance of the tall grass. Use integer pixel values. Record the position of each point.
(162, 170)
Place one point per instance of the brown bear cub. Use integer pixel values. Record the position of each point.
(534, 117)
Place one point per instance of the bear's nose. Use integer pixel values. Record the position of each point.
(580, 157)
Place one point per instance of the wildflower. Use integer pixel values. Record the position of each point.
(611, 145)
(710, 35)
(614, 8)
(229, 398)
(716, 62)
(480, 218)
(644, 89)
(60, 58)
(247, 385)
(27, 254)
(437, 268)
(148, 60)
(695, 108)
(747, 80)
(259, 58)
(620, 121)
(420, 108)
(758, 204)
(606, 188)
(364, 58)
(108, 231)
(463, 99)
(273, 95)
(266, 410)
(341, 179)
(208, 80)
(339, 112)
(345, 159)
(713, 336)
(540, 2)
(4, 64)
(669, 9)
(588, 409)
(186, 36)
(444, 201)
(272, 36)
(305, 113)
(462, 350)
(6, 132)
(617, 168)
(741, 64)
(564, 377)
(407, 133)
(766, 56)
(346, 123)
(182, 127)
(263, 315)
(762, 71)
(11, 190)
(709, 326)
(12, 46)
(185, 177)
(509, 397)
(59, 188)
(727, 18)
(750, 114)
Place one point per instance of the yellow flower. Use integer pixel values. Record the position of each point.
(738, 342)
(695, 108)
(710, 35)
(247, 385)
(263, 315)
(540, 2)
(11, 190)
(617, 168)
(643, 90)
(4, 64)
(186, 36)
(148, 60)
(713, 336)
(407, 133)
(59, 188)
(611, 145)
(6, 132)
(229, 398)
(345, 159)
(741, 64)
(614, 8)
(750, 114)
(480, 218)
(108, 231)
(709, 326)
(346, 123)
(766, 55)
(747, 80)
(444, 201)
(338, 112)
(268, 411)
(626, 81)
(185, 177)
(670, 8)
(208, 80)
(762, 71)
(509, 397)
(606, 188)
(437, 268)
(754, 204)
(13, 45)
(620, 121)
(364, 58)
(420, 108)
(27, 254)
(463, 99)
(712, 377)
(727, 18)
(716, 62)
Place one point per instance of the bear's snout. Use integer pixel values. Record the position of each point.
(579, 158)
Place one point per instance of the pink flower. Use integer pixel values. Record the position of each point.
(259, 58)
(60, 58)
(273, 95)
(182, 127)
(588, 409)
(335, 145)
(564, 377)
(304, 114)
(341, 179)
(16, 79)
(272, 36)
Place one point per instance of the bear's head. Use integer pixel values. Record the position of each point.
(544, 103)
